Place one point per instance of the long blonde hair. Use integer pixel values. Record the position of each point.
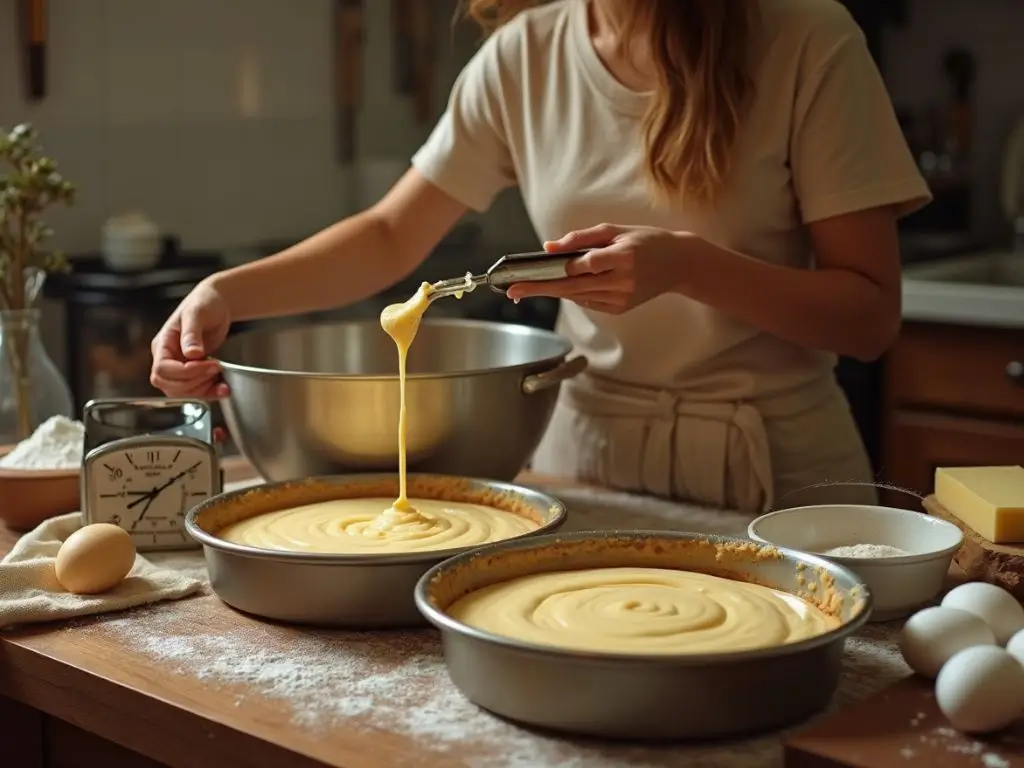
(703, 57)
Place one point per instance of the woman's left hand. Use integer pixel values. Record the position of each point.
(628, 266)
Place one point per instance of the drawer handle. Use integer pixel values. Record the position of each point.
(1015, 371)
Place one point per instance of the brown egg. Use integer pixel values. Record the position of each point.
(94, 558)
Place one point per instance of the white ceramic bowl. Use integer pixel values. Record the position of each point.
(899, 585)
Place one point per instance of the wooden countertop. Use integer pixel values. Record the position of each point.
(131, 679)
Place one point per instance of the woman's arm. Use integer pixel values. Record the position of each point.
(849, 303)
(346, 262)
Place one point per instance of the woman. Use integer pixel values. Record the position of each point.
(725, 143)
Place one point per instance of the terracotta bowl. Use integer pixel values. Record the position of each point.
(30, 496)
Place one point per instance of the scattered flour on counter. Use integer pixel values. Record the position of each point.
(56, 444)
(397, 681)
(987, 753)
(872, 661)
(866, 550)
(380, 681)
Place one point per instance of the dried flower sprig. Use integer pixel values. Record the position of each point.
(29, 184)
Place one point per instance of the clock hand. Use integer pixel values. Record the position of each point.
(160, 488)
(147, 497)
(142, 514)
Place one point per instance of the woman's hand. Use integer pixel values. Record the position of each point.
(627, 266)
(196, 328)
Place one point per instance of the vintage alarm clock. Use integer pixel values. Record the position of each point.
(146, 463)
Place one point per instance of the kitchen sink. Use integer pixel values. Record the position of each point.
(1002, 268)
(977, 289)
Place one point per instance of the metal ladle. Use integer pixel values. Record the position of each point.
(507, 271)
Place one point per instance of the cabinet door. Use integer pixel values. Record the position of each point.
(978, 371)
(916, 443)
(21, 735)
(68, 746)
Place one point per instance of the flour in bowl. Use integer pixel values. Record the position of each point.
(866, 550)
(56, 444)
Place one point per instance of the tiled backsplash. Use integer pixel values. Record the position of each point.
(216, 117)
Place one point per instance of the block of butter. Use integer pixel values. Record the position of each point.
(989, 499)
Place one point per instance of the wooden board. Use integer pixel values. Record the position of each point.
(900, 726)
(980, 559)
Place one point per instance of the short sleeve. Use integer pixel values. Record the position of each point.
(848, 152)
(467, 154)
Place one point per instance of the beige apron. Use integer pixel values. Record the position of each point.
(798, 448)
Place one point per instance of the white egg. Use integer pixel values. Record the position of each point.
(1015, 647)
(996, 606)
(932, 636)
(981, 689)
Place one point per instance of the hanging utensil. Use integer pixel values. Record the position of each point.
(348, 73)
(403, 58)
(32, 23)
(1012, 186)
(961, 70)
(421, 27)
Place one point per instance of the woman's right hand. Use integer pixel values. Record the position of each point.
(197, 327)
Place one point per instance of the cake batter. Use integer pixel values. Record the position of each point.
(374, 526)
(641, 610)
(401, 322)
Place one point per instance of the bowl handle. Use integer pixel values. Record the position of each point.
(536, 382)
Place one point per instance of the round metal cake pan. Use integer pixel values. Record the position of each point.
(663, 696)
(360, 591)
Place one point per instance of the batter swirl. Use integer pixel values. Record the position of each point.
(641, 610)
(374, 526)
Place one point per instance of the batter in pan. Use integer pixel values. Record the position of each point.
(374, 526)
(641, 611)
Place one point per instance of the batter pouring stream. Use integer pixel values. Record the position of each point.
(401, 322)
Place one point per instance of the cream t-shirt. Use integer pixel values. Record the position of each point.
(536, 107)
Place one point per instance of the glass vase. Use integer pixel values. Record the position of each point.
(32, 389)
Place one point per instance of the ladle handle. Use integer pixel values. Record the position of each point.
(529, 267)
(536, 382)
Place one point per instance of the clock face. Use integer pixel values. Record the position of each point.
(147, 489)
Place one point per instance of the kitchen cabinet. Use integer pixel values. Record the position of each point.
(32, 739)
(954, 396)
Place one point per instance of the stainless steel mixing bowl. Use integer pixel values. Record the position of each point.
(650, 696)
(324, 399)
(354, 591)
